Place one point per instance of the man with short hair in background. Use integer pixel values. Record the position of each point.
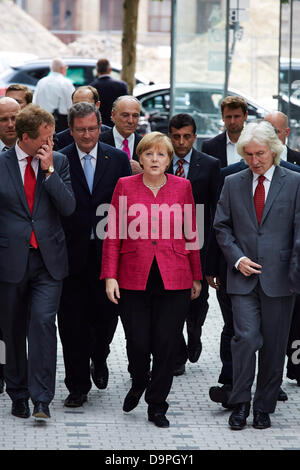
(280, 122)
(21, 93)
(109, 89)
(54, 93)
(9, 109)
(85, 93)
(125, 116)
(234, 114)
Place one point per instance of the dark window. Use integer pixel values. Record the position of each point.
(159, 16)
(111, 15)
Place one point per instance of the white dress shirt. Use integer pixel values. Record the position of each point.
(92, 153)
(267, 183)
(54, 92)
(118, 138)
(283, 155)
(232, 155)
(22, 160)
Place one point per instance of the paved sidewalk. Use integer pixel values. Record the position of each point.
(196, 422)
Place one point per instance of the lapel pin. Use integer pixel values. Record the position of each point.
(107, 157)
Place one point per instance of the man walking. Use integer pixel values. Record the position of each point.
(258, 251)
(35, 191)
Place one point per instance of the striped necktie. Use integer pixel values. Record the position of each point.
(180, 170)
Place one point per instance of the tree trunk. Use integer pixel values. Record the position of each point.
(130, 17)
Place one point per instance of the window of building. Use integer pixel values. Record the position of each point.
(159, 16)
(111, 15)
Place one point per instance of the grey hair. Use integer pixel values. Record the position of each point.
(123, 97)
(262, 133)
(57, 64)
(81, 110)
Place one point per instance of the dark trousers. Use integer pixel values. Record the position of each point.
(261, 323)
(29, 309)
(153, 320)
(195, 318)
(226, 335)
(87, 321)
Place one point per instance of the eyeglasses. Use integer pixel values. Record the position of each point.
(83, 130)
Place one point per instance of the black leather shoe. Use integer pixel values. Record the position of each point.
(194, 352)
(75, 400)
(159, 420)
(1, 385)
(180, 370)
(100, 375)
(132, 399)
(261, 420)
(282, 396)
(238, 418)
(20, 408)
(41, 411)
(221, 395)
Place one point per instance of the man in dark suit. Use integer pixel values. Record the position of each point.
(216, 269)
(109, 89)
(87, 319)
(125, 115)
(83, 93)
(234, 114)
(258, 251)
(36, 191)
(203, 171)
(280, 122)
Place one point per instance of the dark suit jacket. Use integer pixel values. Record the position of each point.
(63, 139)
(204, 175)
(272, 243)
(108, 138)
(109, 90)
(111, 165)
(293, 156)
(216, 147)
(53, 198)
(216, 264)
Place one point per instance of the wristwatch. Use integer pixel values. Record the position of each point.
(49, 170)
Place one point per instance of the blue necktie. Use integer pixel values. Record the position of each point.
(88, 171)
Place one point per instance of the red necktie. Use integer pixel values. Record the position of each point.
(29, 187)
(180, 170)
(259, 198)
(126, 148)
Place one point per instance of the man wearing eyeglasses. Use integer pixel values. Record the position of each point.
(86, 318)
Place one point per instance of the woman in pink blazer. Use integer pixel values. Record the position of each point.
(151, 263)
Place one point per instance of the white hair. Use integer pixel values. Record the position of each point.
(262, 133)
(57, 64)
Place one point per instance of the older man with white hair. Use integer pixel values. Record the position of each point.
(54, 94)
(257, 227)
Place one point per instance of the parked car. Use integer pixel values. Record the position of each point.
(80, 72)
(201, 101)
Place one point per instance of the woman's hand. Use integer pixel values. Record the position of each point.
(196, 289)
(112, 290)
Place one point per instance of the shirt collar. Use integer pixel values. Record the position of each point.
(93, 152)
(21, 155)
(119, 138)
(228, 141)
(268, 174)
(187, 158)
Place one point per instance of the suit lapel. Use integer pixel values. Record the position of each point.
(101, 165)
(275, 187)
(194, 166)
(247, 193)
(76, 167)
(39, 183)
(14, 171)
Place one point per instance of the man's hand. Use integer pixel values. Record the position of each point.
(196, 289)
(135, 167)
(45, 154)
(112, 290)
(248, 267)
(214, 282)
